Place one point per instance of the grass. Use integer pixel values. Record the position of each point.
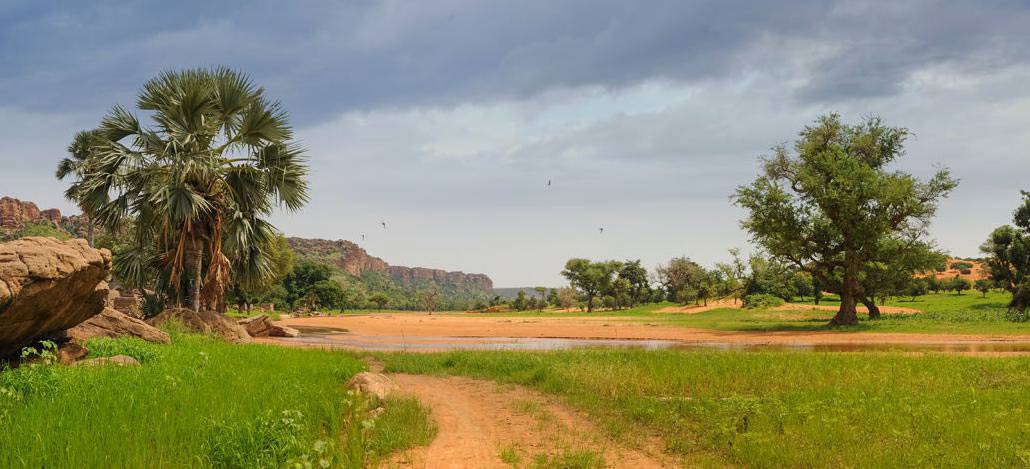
(780, 409)
(969, 313)
(198, 402)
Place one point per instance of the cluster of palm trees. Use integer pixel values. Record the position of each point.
(192, 189)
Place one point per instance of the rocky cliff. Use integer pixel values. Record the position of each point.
(352, 259)
(14, 214)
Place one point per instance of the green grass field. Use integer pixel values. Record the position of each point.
(199, 402)
(781, 409)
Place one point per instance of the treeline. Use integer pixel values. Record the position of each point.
(309, 285)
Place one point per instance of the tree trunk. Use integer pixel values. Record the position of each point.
(590, 303)
(89, 231)
(197, 267)
(870, 304)
(850, 290)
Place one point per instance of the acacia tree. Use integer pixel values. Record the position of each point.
(636, 274)
(1008, 261)
(590, 278)
(197, 185)
(899, 260)
(828, 207)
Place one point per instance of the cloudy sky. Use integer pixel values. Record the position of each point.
(446, 119)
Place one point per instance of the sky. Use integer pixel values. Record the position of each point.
(446, 119)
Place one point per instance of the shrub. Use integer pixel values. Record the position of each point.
(762, 300)
(961, 265)
(965, 271)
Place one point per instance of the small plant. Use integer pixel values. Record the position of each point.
(46, 354)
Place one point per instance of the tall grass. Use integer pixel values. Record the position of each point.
(199, 402)
(781, 409)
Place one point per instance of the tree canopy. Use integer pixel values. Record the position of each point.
(196, 185)
(1008, 261)
(830, 206)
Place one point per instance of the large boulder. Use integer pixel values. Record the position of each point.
(114, 323)
(47, 286)
(262, 326)
(204, 322)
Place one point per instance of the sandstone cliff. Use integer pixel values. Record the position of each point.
(14, 214)
(352, 259)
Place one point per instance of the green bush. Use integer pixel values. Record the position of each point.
(961, 265)
(762, 300)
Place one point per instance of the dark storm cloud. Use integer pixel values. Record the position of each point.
(327, 57)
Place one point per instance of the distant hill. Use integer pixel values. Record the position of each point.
(457, 290)
(976, 271)
(352, 259)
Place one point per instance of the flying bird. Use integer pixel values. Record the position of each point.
(362, 237)
(602, 230)
(383, 223)
(548, 183)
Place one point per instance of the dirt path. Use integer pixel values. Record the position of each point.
(479, 420)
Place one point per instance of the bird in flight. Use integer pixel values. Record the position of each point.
(383, 223)
(362, 237)
(601, 230)
(548, 183)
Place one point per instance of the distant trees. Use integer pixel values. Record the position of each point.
(959, 285)
(983, 286)
(831, 205)
(1008, 261)
(379, 299)
(427, 298)
(680, 278)
(916, 288)
(590, 278)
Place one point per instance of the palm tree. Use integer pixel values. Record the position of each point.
(80, 152)
(197, 185)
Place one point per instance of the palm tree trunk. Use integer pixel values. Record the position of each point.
(198, 260)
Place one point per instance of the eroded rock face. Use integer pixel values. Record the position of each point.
(114, 323)
(354, 260)
(204, 322)
(14, 214)
(47, 286)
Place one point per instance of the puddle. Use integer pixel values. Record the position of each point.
(340, 338)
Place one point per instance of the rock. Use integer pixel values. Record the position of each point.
(70, 352)
(129, 304)
(373, 384)
(262, 326)
(120, 360)
(47, 286)
(113, 323)
(204, 322)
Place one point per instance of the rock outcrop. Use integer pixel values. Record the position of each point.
(48, 286)
(262, 326)
(14, 214)
(354, 260)
(204, 322)
(114, 323)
